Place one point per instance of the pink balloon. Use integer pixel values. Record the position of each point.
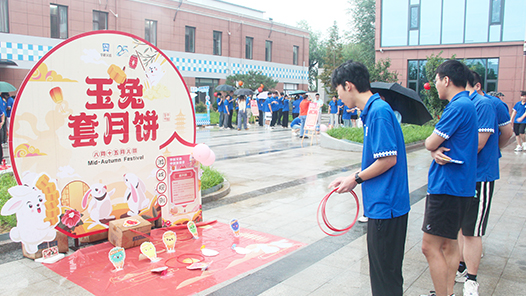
(323, 128)
(201, 152)
(210, 160)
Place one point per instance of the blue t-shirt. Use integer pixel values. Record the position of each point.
(458, 126)
(520, 108)
(488, 157)
(333, 105)
(286, 105)
(261, 103)
(10, 102)
(220, 107)
(280, 103)
(340, 105)
(275, 105)
(265, 105)
(296, 121)
(3, 105)
(503, 113)
(296, 106)
(385, 196)
(346, 115)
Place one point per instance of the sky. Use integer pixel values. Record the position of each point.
(320, 15)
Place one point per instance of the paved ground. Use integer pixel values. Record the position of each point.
(276, 187)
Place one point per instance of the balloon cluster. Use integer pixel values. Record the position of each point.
(204, 154)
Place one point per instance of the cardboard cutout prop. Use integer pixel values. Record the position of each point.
(108, 116)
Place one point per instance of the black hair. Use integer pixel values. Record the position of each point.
(353, 72)
(282, 93)
(523, 93)
(457, 72)
(317, 94)
(474, 78)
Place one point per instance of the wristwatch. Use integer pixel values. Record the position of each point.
(357, 178)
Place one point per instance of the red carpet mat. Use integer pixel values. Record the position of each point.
(91, 269)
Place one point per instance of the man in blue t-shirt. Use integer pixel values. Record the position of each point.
(221, 110)
(518, 116)
(452, 175)
(333, 112)
(503, 119)
(296, 106)
(346, 116)
(267, 108)
(261, 109)
(383, 176)
(274, 108)
(477, 214)
(285, 112)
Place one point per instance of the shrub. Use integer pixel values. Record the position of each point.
(412, 133)
(210, 177)
(6, 181)
(200, 108)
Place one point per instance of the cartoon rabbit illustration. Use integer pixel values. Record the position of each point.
(135, 194)
(154, 73)
(29, 205)
(100, 205)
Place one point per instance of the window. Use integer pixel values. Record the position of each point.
(4, 17)
(295, 51)
(488, 70)
(189, 39)
(268, 51)
(218, 36)
(249, 46)
(201, 96)
(59, 21)
(414, 17)
(496, 12)
(416, 75)
(100, 20)
(150, 31)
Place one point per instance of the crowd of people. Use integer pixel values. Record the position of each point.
(5, 114)
(465, 148)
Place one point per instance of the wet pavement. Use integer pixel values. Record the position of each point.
(276, 185)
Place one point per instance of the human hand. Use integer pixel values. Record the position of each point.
(439, 156)
(344, 184)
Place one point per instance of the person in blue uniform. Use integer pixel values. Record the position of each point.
(296, 106)
(383, 176)
(285, 112)
(346, 116)
(476, 217)
(221, 110)
(452, 175)
(518, 116)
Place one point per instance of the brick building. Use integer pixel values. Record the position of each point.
(207, 40)
(488, 34)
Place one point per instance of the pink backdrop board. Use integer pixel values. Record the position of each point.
(100, 115)
(91, 269)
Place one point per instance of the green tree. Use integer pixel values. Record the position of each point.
(333, 57)
(252, 80)
(363, 14)
(380, 72)
(316, 54)
(430, 97)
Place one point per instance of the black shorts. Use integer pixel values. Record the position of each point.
(444, 214)
(354, 116)
(477, 213)
(519, 128)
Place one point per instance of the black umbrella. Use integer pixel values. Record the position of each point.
(404, 100)
(225, 87)
(243, 92)
(297, 92)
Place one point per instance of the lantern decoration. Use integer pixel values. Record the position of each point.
(427, 86)
(260, 89)
(262, 86)
(240, 83)
(215, 94)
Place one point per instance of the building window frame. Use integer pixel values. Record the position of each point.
(415, 8)
(217, 42)
(268, 51)
(189, 39)
(58, 21)
(150, 31)
(97, 16)
(295, 54)
(4, 16)
(492, 12)
(249, 48)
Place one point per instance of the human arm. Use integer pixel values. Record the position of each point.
(506, 132)
(483, 139)
(432, 144)
(513, 114)
(378, 167)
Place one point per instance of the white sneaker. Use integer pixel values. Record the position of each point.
(524, 146)
(461, 276)
(518, 148)
(471, 288)
(363, 219)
